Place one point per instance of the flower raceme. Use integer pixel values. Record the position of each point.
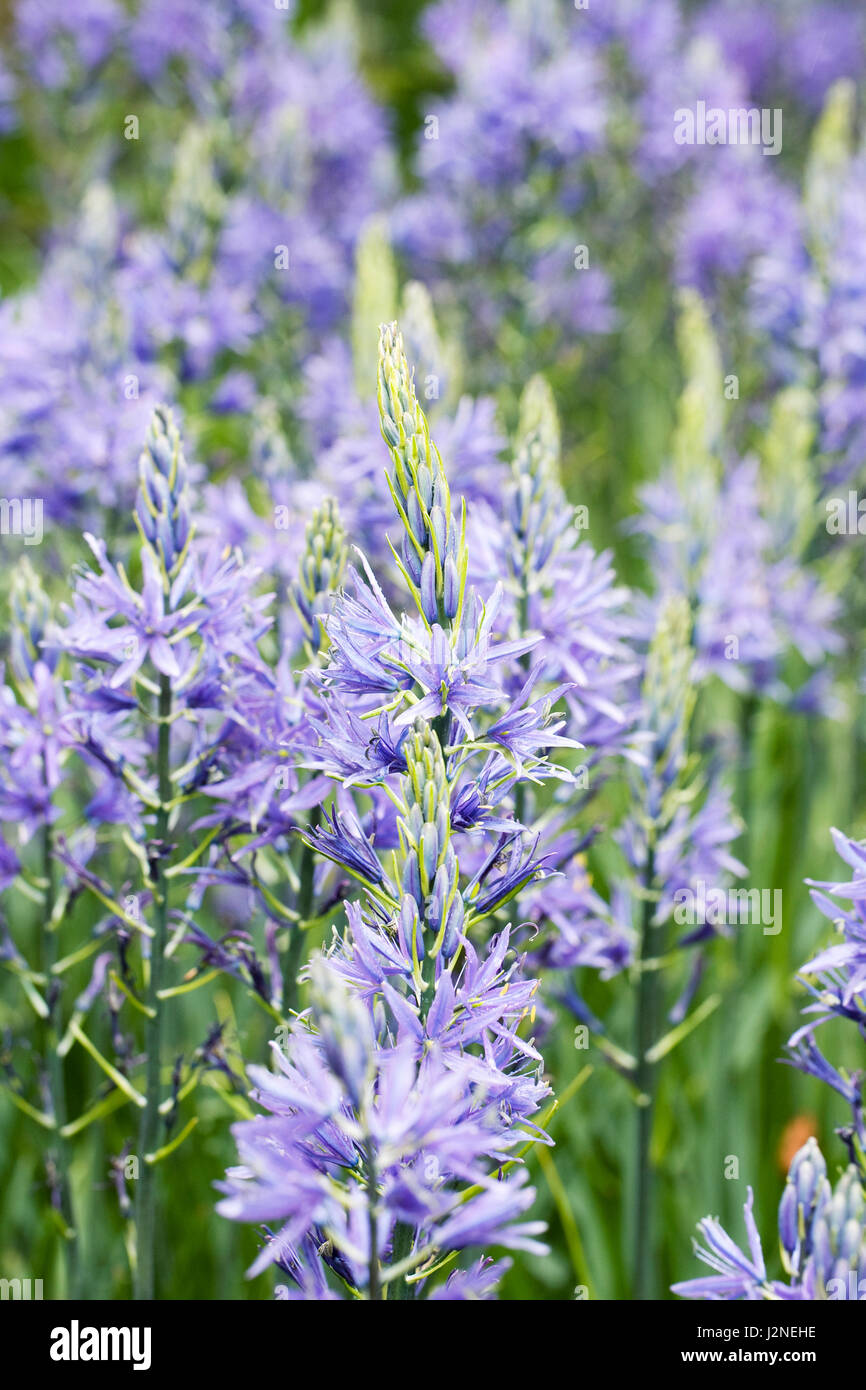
(154, 663)
(411, 1066)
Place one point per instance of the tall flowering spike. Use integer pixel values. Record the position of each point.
(433, 555)
(374, 300)
(700, 409)
(829, 159)
(162, 506)
(30, 612)
(323, 564)
(426, 866)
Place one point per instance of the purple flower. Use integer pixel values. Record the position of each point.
(736, 1275)
(343, 841)
(339, 1103)
(469, 1285)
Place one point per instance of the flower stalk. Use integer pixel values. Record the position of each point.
(145, 1206)
(646, 1079)
(56, 1079)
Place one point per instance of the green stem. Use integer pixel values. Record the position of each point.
(520, 787)
(404, 1235)
(441, 726)
(145, 1205)
(54, 1063)
(298, 936)
(748, 939)
(646, 1077)
(730, 1103)
(748, 717)
(374, 1289)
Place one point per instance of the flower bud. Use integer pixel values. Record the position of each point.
(806, 1191)
(162, 506)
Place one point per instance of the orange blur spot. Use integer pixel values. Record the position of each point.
(794, 1136)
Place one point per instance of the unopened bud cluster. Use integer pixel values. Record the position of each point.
(162, 506)
(344, 1029)
(806, 1192)
(839, 1236)
(536, 508)
(433, 552)
(432, 906)
(30, 612)
(321, 570)
(668, 692)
